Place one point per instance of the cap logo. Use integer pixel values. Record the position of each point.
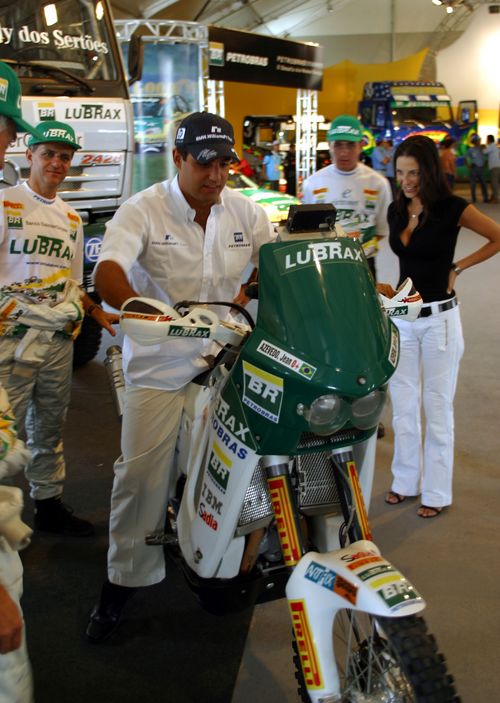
(345, 130)
(181, 133)
(57, 133)
(4, 87)
(216, 129)
(207, 155)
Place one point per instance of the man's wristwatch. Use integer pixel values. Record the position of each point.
(456, 268)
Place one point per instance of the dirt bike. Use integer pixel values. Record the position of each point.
(275, 460)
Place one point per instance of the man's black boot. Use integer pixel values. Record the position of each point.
(51, 515)
(105, 616)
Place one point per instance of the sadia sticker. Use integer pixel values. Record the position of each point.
(262, 391)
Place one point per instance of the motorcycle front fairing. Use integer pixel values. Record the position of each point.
(320, 331)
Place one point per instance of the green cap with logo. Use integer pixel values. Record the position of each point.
(345, 128)
(53, 131)
(10, 98)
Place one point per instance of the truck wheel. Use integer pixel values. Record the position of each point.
(87, 343)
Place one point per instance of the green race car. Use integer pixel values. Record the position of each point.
(274, 203)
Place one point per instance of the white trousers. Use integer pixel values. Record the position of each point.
(426, 377)
(15, 670)
(40, 395)
(143, 483)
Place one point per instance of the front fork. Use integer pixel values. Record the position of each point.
(285, 509)
(322, 584)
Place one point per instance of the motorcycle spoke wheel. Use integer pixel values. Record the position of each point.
(386, 660)
(369, 668)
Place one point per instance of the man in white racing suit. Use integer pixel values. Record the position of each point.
(360, 194)
(188, 238)
(15, 670)
(41, 310)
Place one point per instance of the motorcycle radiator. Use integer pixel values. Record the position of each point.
(314, 486)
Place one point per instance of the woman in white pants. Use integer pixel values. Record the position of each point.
(424, 223)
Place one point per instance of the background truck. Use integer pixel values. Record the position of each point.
(398, 109)
(71, 69)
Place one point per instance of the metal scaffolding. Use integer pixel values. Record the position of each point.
(306, 134)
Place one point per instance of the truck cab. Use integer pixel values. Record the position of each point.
(399, 109)
(71, 69)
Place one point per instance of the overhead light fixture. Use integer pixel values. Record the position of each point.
(437, 2)
(449, 9)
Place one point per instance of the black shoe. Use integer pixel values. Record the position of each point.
(102, 623)
(105, 617)
(51, 515)
(380, 431)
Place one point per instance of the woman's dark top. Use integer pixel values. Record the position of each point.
(428, 257)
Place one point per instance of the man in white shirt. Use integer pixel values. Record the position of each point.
(41, 307)
(360, 194)
(492, 152)
(188, 238)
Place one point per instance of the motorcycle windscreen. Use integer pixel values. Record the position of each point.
(317, 300)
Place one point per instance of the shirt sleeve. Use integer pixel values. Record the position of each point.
(77, 263)
(263, 233)
(307, 197)
(385, 200)
(125, 236)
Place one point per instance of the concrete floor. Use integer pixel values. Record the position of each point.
(453, 560)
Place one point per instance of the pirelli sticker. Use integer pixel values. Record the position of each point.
(305, 644)
(286, 359)
(285, 521)
(262, 392)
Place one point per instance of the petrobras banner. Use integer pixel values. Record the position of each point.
(244, 57)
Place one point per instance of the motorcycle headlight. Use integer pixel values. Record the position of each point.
(366, 411)
(326, 414)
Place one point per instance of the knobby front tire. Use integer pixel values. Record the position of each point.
(386, 660)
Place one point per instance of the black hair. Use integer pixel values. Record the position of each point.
(433, 185)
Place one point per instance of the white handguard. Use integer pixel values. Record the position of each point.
(148, 322)
(405, 304)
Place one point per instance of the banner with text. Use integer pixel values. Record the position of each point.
(244, 57)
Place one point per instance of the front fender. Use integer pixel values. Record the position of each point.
(356, 577)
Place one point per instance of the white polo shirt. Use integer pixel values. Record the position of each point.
(167, 256)
(361, 197)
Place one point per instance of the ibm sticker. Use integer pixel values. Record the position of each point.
(262, 391)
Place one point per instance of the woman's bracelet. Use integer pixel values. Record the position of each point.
(91, 309)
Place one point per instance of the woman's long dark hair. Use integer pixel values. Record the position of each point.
(433, 184)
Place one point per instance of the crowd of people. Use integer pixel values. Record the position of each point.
(170, 242)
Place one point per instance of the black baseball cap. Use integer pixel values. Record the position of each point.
(206, 136)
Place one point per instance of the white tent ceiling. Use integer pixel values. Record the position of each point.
(300, 18)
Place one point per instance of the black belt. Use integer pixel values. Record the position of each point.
(434, 308)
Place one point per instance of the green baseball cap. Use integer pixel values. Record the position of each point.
(10, 98)
(345, 128)
(53, 131)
